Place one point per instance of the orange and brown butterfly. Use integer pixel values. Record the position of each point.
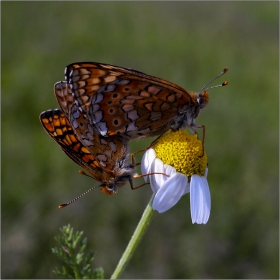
(59, 128)
(122, 101)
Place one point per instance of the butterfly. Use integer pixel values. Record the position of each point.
(122, 101)
(59, 128)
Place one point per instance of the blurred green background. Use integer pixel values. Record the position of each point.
(187, 43)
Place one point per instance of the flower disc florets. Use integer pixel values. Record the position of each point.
(182, 151)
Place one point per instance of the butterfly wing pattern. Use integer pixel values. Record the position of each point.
(59, 128)
(131, 103)
(107, 150)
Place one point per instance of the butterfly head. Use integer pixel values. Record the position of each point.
(112, 186)
(109, 188)
(121, 176)
(202, 99)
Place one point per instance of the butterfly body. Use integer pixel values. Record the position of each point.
(130, 103)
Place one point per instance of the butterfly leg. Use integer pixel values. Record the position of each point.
(134, 188)
(141, 176)
(203, 133)
(203, 137)
(193, 127)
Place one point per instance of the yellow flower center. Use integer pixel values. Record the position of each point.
(182, 151)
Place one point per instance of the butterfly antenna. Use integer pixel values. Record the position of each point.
(221, 85)
(73, 200)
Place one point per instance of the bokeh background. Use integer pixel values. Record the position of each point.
(187, 43)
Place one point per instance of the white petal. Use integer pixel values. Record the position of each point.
(159, 167)
(200, 199)
(156, 180)
(147, 161)
(205, 173)
(169, 170)
(170, 193)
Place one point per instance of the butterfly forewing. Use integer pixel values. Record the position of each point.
(124, 101)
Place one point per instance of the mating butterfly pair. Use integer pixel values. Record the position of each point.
(104, 106)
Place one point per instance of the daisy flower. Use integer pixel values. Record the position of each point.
(182, 157)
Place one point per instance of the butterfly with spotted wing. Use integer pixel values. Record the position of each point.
(130, 103)
(58, 127)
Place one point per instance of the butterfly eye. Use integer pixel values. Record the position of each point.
(108, 189)
(202, 99)
(200, 102)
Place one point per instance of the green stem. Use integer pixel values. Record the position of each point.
(135, 239)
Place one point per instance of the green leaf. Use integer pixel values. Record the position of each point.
(71, 252)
